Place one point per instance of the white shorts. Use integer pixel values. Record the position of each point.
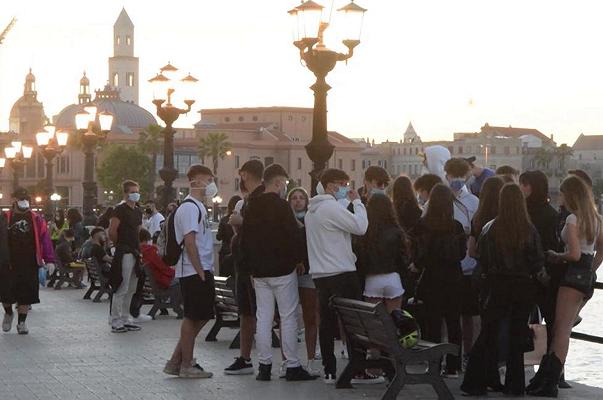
(383, 286)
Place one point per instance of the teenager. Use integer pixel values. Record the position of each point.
(154, 218)
(510, 256)
(98, 243)
(384, 255)
(423, 186)
(308, 296)
(66, 255)
(479, 175)
(29, 247)
(507, 173)
(76, 224)
(442, 245)
(251, 184)
(162, 273)
(194, 270)
(332, 263)
(486, 212)
(583, 239)
(225, 234)
(125, 270)
(434, 159)
(271, 257)
(376, 180)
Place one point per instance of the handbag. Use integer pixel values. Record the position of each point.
(540, 344)
(579, 273)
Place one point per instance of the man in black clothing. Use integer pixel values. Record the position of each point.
(65, 254)
(98, 240)
(270, 256)
(123, 231)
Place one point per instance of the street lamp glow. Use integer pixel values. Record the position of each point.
(27, 151)
(352, 17)
(51, 129)
(188, 87)
(2, 162)
(55, 197)
(91, 110)
(10, 152)
(38, 199)
(62, 138)
(106, 120)
(17, 145)
(159, 84)
(229, 153)
(310, 14)
(82, 119)
(43, 138)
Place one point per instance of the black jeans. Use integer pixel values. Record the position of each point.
(138, 300)
(344, 285)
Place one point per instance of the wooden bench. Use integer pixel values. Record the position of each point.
(227, 314)
(162, 299)
(63, 275)
(367, 327)
(98, 281)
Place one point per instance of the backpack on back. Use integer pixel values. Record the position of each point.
(170, 249)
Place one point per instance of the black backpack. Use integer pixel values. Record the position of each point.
(169, 248)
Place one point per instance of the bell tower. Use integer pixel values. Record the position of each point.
(84, 95)
(123, 66)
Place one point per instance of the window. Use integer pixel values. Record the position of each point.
(63, 165)
(241, 119)
(385, 164)
(460, 150)
(404, 168)
(404, 151)
(30, 166)
(117, 40)
(303, 118)
(237, 161)
(268, 161)
(363, 164)
(493, 150)
(580, 156)
(255, 118)
(299, 182)
(507, 150)
(340, 164)
(299, 163)
(115, 79)
(416, 150)
(236, 184)
(130, 79)
(353, 165)
(128, 40)
(290, 118)
(227, 119)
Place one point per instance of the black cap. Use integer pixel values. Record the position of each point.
(470, 160)
(21, 193)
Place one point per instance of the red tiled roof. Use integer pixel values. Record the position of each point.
(588, 142)
(512, 132)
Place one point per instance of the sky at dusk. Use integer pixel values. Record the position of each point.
(447, 66)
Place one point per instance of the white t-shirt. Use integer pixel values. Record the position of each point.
(153, 224)
(185, 221)
(585, 247)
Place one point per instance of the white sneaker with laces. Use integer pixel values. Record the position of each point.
(7, 322)
(142, 318)
(330, 379)
(313, 368)
(22, 328)
(194, 371)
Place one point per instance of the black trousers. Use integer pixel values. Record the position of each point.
(344, 285)
(137, 299)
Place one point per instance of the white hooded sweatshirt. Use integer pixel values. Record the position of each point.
(435, 158)
(328, 230)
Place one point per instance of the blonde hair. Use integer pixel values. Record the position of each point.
(578, 199)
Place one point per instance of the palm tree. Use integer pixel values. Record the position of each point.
(150, 142)
(216, 146)
(543, 158)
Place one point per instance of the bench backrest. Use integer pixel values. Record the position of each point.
(93, 270)
(367, 325)
(224, 293)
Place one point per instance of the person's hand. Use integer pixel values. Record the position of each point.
(202, 275)
(235, 219)
(300, 269)
(413, 268)
(353, 195)
(553, 257)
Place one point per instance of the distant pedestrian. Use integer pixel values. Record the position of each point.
(480, 174)
(154, 218)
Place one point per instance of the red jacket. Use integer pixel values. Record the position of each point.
(162, 273)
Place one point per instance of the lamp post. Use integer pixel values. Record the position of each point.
(217, 201)
(309, 26)
(51, 143)
(55, 198)
(17, 155)
(164, 87)
(85, 122)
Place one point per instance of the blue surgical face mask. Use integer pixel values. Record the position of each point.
(300, 214)
(134, 197)
(456, 184)
(342, 192)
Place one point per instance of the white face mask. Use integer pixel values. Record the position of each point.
(320, 189)
(134, 197)
(211, 190)
(23, 204)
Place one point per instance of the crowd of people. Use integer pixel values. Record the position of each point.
(474, 254)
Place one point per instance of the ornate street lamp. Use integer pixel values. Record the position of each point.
(85, 122)
(164, 88)
(309, 26)
(51, 143)
(17, 156)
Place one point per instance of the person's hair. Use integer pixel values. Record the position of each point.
(377, 174)
(144, 235)
(299, 190)
(440, 212)
(59, 217)
(274, 171)
(512, 225)
(539, 185)
(74, 216)
(68, 233)
(457, 167)
(506, 170)
(149, 202)
(426, 182)
(96, 230)
(196, 170)
(580, 173)
(403, 194)
(381, 214)
(488, 203)
(254, 168)
(331, 175)
(127, 184)
(578, 199)
(232, 203)
(507, 179)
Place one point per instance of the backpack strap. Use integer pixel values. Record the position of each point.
(199, 209)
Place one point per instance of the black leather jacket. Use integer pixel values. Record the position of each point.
(493, 262)
(386, 255)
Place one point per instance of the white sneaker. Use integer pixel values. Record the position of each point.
(142, 318)
(7, 322)
(194, 371)
(313, 368)
(330, 379)
(283, 371)
(22, 328)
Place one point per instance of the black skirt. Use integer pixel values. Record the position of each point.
(20, 284)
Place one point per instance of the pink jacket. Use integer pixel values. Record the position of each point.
(44, 251)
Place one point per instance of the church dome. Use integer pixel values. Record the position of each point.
(84, 81)
(127, 117)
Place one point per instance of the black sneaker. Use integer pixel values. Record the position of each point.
(265, 372)
(132, 327)
(241, 366)
(298, 374)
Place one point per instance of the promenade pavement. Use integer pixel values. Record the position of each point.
(71, 354)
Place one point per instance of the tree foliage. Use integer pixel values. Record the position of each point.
(124, 162)
(214, 145)
(150, 142)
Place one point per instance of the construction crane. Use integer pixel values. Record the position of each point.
(7, 29)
